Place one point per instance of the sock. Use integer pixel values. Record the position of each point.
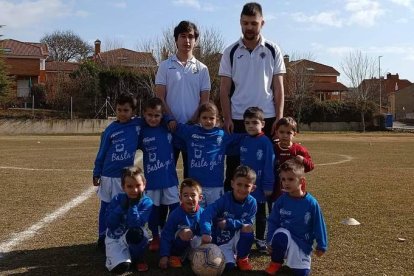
(154, 221)
(244, 245)
(279, 247)
(163, 215)
(300, 272)
(102, 219)
(179, 247)
(229, 267)
(137, 243)
(121, 268)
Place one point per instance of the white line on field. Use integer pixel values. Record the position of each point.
(18, 238)
(347, 158)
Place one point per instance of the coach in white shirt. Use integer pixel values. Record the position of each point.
(251, 74)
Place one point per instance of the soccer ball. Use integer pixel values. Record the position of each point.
(207, 259)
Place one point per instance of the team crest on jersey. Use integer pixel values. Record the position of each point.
(152, 157)
(119, 147)
(219, 140)
(259, 154)
(307, 217)
(262, 54)
(195, 70)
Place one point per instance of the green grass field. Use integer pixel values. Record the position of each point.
(365, 176)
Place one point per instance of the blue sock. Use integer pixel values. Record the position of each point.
(279, 247)
(244, 245)
(229, 267)
(137, 243)
(102, 219)
(300, 272)
(179, 247)
(154, 220)
(163, 213)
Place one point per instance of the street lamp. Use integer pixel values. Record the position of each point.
(379, 77)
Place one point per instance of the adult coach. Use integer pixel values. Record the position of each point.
(251, 74)
(182, 82)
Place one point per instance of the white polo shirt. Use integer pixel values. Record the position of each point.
(183, 85)
(252, 74)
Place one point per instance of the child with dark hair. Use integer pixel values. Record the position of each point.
(116, 151)
(159, 167)
(295, 224)
(182, 230)
(256, 151)
(126, 238)
(228, 222)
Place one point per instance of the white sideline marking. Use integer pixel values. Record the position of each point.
(347, 158)
(46, 170)
(18, 238)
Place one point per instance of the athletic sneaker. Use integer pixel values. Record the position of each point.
(155, 244)
(273, 268)
(261, 246)
(244, 264)
(174, 262)
(142, 267)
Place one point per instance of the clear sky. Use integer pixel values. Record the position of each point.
(326, 30)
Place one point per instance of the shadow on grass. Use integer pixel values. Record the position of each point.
(84, 259)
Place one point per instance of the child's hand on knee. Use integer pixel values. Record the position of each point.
(186, 234)
(319, 253)
(163, 264)
(222, 224)
(247, 228)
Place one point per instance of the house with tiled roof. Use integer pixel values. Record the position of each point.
(136, 61)
(321, 80)
(389, 85)
(401, 103)
(25, 63)
(57, 73)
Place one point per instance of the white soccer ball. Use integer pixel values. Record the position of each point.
(207, 259)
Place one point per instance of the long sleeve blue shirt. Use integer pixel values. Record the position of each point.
(303, 218)
(257, 153)
(119, 219)
(206, 150)
(158, 157)
(235, 213)
(177, 220)
(117, 149)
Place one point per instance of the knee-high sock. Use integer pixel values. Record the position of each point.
(279, 247)
(244, 245)
(300, 272)
(154, 221)
(163, 215)
(261, 221)
(137, 243)
(102, 218)
(179, 247)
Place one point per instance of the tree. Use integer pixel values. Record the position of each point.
(358, 67)
(5, 91)
(66, 46)
(299, 83)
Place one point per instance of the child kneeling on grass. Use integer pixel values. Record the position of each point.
(228, 222)
(181, 233)
(126, 239)
(295, 222)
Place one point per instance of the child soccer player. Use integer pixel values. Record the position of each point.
(256, 152)
(159, 167)
(295, 222)
(126, 239)
(285, 149)
(116, 151)
(228, 222)
(182, 230)
(207, 145)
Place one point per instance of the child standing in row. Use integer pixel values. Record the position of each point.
(285, 149)
(295, 222)
(126, 238)
(116, 151)
(228, 222)
(182, 230)
(256, 152)
(207, 145)
(159, 166)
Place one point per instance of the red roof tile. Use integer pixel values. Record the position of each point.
(128, 57)
(329, 86)
(315, 68)
(13, 47)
